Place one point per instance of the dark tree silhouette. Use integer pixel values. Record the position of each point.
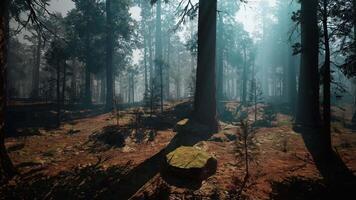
(109, 57)
(205, 94)
(308, 112)
(5, 162)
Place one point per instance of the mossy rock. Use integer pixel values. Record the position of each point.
(190, 162)
(190, 126)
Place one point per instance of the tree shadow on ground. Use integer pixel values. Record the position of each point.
(108, 137)
(90, 182)
(167, 119)
(147, 170)
(296, 188)
(339, 180)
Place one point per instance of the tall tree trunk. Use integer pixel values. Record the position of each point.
(354, 48)
(64, 84)
(158, 49)
(326, 81)
(150, 58)
(167, 84)
(73, 82)
(244, 79)
(103, 88)
(308, 112)
(109, 57)
(87, 92)
(87, 89)
(36, 67)
(205, 92)
(145, 62)
(58, 95)
(5, 161)
(292, 83)
(220, 65)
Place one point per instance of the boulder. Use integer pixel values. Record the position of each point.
(191, 163)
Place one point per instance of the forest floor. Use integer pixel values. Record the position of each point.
(93, 158)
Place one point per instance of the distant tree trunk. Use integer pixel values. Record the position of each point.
(5, 161)
(167, 84)
(87, 89)
(220, 64)
(64, 84)
(326, 81)
(109, 57)
(145, 62)
(58, 95)
(244, 79)
(158, 48)
(87, 98)
(103, 88)
(308, 112)
(150, 57)
(205, 92)
(73, 84)
(36, 67)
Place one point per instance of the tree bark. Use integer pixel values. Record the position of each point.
(220, 64)
(308, 113)
(158, 49)
(109, 57)
(326, 81)
(5, 161)
(354, 48)
(292, 83)
(205, 93)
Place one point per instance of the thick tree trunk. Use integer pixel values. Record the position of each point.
(292, 83)
(5, 161)
(220, 65)
(308, 113)
(326, 82)
(109, 57)
(354, 21)
(205, 92)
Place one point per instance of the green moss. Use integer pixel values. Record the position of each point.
(285, 123)
(187, 158)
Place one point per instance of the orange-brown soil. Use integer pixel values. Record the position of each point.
(72, 162)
